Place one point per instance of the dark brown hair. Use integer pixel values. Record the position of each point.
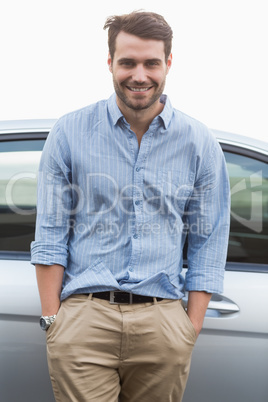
(146, 25)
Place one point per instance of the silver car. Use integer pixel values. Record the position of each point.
(230, 359)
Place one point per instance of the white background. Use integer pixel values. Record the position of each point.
(53, 58)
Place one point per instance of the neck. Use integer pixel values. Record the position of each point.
(140, 120)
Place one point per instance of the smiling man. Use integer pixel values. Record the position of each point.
(130, 179)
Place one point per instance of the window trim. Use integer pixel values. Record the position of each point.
(246, 267)
(244, 151)
(15, 255)
(36, 135)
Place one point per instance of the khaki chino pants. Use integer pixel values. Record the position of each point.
(98, 351)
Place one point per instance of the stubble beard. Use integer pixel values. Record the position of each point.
(138, 105)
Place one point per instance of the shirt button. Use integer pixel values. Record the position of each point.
(137, 202)
(138, 169)
(131, 269)
(135, 236)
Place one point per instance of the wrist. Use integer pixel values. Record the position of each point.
(49, 313)
(51, 309)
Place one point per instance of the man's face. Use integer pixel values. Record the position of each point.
(139, 71)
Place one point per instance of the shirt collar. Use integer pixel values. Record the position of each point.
(165, 115)
(114, 110)
(167, 112)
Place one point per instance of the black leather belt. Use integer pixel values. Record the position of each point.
(118, 297)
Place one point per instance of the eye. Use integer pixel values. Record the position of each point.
(153, 63)
(126, 63)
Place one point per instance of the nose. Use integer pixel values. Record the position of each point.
(139, 74)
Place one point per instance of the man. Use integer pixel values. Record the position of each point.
(122, 184)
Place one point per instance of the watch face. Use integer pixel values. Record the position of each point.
(43, 323)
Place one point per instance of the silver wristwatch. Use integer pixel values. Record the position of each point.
(46, 321)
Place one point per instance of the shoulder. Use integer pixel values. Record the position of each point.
(194, 134)
(193, 129)
(64, 135)
(83, 118)
(197, 140)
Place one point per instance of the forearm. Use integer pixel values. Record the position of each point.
(196, 308)
(49, 280)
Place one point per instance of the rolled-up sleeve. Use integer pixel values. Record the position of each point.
(54, 202)
(208, 220)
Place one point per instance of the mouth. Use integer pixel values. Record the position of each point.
(139, 89)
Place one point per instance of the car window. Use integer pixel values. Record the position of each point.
(19, 161)
(249, 209)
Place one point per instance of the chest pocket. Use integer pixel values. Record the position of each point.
(169, 194)
(177, 188)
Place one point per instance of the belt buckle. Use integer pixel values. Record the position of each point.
(112, 297)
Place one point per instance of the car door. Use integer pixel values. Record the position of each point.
(230, 359)
(23, 369)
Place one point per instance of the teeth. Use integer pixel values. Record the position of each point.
(139, 89)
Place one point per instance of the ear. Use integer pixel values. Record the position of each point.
(169, 62)
(109, 62)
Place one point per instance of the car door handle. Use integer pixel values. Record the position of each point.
(219, 304)
(224, 306)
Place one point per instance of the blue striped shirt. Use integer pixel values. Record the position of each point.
(117, 215)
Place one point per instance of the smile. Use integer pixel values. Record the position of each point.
(139, 89)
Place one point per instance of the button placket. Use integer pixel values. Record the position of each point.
(138, 195)
(138, 200)
(138, 180)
